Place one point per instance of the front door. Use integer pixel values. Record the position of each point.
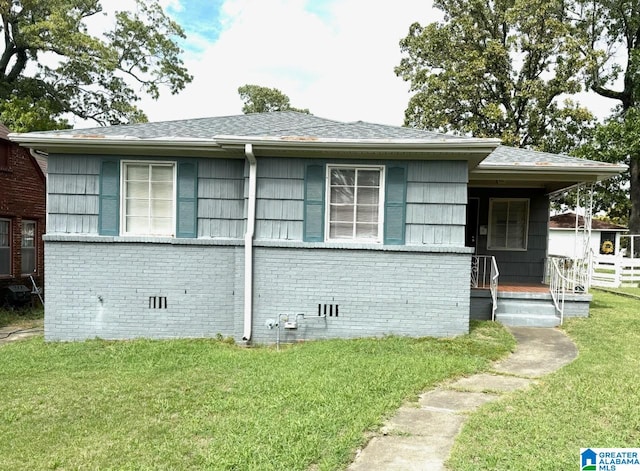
(471, 234)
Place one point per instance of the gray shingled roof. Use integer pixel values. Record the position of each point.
(294, 124)
(277, 124)
(504, 155)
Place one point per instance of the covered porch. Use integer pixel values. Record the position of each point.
(513, 278)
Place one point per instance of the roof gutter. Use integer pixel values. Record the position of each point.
(599, 172)
(543, 167)
(119, 144)
(479, 148)
(248, 243)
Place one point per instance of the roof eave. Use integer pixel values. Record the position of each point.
(594, 173)
(471, 150)
(118, 146)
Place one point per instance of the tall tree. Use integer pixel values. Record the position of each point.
(610, 33)
(52, 65)
(614, 141)
(259, 99)
(497, 68)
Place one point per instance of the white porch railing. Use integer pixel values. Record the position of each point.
(566, 275)
(484, 274)
(557, 284)
(576, 273)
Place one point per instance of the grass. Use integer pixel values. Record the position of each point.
(22, 318)
(593, 402)
(205, 404)
(626, 290)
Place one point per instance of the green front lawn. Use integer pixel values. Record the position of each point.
(627, 290)
(198, 404)
(593, 402)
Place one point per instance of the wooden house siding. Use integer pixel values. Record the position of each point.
(280, 199)
(436, 203)
(73, 186)
(221, 198)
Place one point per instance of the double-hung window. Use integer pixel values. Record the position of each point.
(355, 203)
(148, 198)
(508, 224)
(28, 248)
(5, 247)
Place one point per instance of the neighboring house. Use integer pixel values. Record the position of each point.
(566, 236)
(230, 225)
(22, 216)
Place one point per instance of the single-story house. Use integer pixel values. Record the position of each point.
(22, 220)
(566, 236)
(286, 225)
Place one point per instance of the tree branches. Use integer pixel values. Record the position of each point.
(76, 72)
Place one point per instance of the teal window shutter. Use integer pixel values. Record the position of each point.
(109, 211)
(395, 205)
(314, 202)
(187, 201)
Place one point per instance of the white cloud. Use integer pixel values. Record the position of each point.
(338, 64)
(336, 59)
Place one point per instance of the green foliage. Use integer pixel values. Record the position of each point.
(611, 45)
(51, 64)
(259, 99)
(497, 69)
(616, 141)
(585, 404)
(204, 404)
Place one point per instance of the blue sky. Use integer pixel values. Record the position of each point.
(197, 17)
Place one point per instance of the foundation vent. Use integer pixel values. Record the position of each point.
(328, 310)
(157, 302)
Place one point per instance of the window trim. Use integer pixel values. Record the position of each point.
(35, 247)
(379, 239)
(526, 225)
(9, 234)
(123, 196)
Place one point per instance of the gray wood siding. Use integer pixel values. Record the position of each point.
(73, 187)
(435, 206)
(280, 199)
(436, 203)
(221, 198)
(518, 266)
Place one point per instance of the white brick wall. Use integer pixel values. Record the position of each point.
(103, 289)
(379, 292)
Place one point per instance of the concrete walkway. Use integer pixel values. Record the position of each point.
(419, 437)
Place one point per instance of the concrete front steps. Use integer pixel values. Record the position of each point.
(527, 306)
(527, 309)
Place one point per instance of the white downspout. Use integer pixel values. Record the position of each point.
(248, 243)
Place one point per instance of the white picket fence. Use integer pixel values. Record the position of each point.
(621, 269)
(613, 271)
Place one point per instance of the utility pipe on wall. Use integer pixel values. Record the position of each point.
(248, 243)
